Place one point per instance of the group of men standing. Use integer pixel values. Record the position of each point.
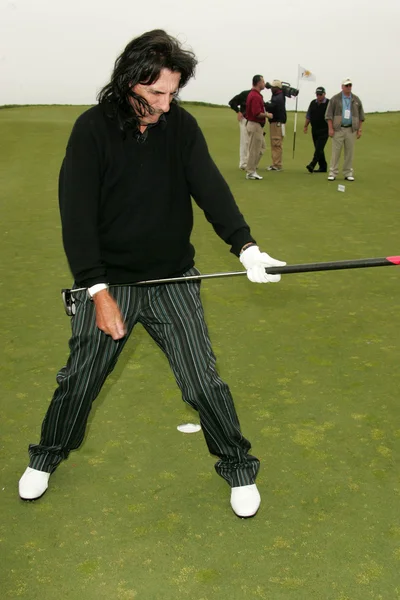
(252, 114)
(340, 118)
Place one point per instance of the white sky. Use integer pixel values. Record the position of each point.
(63, 51)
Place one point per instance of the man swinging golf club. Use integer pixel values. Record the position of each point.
(132, 164)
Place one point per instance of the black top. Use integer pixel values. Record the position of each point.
(316, 115)
(277, 106)
(238, 103)
(125, 201)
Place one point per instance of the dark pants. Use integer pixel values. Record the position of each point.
(319, 139)
(173, 315)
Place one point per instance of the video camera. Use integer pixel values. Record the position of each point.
(287, 89)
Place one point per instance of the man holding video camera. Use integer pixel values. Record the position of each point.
(276, 106)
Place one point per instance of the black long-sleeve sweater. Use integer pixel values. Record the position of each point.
(238, 102)
(316, 116)
(125, 201)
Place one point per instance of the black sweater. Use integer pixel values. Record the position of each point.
(316, 115)
(125, 203)
(238, 102)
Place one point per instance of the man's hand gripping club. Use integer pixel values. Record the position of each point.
(255, 263)
(108, 315)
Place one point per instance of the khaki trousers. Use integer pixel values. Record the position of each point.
(256, 145)
(244, 144)
(343, 137)
(276, 137)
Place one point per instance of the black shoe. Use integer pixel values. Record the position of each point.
(309, 168)
(321, 171)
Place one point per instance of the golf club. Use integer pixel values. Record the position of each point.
(361, 263)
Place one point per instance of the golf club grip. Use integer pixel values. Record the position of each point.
(335, 265)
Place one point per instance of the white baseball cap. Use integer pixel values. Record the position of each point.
(346, 81)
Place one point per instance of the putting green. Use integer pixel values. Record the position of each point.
(138, 512)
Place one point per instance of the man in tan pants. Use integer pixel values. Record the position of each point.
(276, 137)
(255, 115)
(345, 116)
(277, 120)
(256, 148)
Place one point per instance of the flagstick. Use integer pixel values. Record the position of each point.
(295, 125)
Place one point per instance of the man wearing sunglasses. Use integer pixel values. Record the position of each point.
(316, 116)
(345, 116)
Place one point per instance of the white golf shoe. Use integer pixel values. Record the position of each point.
(33, 484)
(253, 175)
(245, 500)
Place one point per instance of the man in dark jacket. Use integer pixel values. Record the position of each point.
(316, 116)
(276, 106)
(132, 164)
(238, 104)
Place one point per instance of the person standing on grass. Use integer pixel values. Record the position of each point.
(238, 104)
(277, 120)
(255, 121)
(345, 116)
(132, 164)
(316, 116)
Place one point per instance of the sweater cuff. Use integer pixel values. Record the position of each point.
(98, 287)
(88, 278)
(240, 238)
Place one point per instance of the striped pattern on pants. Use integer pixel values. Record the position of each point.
(173, 315)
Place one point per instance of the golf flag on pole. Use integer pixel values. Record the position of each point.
(305, 74)
(302, 75)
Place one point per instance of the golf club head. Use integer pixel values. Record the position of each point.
(68, 301)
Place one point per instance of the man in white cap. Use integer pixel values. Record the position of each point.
(345, 116)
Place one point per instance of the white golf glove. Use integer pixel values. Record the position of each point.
(255, 263)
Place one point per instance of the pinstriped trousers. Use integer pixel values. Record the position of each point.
(173, 315)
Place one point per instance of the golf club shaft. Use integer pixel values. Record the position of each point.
(361, 263)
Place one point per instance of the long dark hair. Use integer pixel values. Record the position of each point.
(141, 62)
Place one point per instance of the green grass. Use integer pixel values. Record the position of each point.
(137, 512)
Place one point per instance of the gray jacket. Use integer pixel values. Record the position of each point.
(334, 111)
